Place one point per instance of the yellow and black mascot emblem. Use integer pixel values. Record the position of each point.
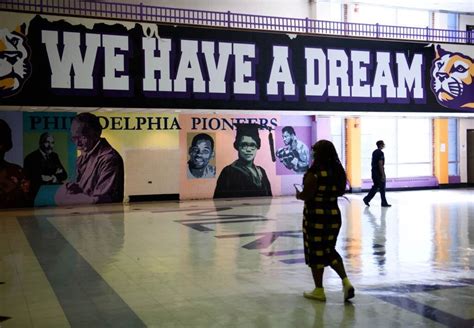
(452, 78)
(15, 67)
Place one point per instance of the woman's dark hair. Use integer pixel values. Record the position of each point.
(325, 157)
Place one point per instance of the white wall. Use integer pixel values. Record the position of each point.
(367, 14)
(329, 11)
(441, 21)
(413, 18)
(284, 8)
(370, 14)
(465, 20)
(464, 124)
(144, 177)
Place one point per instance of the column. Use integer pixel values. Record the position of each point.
(353, 162)
(440, 152)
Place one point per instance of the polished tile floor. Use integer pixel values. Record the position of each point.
(237, 263)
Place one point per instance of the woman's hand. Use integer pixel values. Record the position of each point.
(309, 187)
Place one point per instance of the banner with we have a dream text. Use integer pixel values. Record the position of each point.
(63, 61)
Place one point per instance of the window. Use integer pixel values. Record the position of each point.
(408, 143)
(453, 158)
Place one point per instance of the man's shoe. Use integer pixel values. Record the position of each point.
(366, 202)
(386, 205)
(316, 294)
(348, 289)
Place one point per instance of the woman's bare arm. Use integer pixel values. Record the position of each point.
(309, 187)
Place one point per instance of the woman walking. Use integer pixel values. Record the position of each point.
(323, 183)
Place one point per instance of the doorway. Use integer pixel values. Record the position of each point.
(470, 156)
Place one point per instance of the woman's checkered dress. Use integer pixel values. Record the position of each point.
(321, 223)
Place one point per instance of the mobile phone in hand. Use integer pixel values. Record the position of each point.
(298, 187)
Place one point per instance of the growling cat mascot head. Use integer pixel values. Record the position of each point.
(452, 79)
(15, 67)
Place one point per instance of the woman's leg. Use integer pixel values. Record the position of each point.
(338, 266)
(318, 292)
(317, 276)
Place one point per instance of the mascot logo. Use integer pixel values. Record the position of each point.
(15, 67)
(452, 81)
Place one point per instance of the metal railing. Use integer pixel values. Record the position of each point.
(146, 13)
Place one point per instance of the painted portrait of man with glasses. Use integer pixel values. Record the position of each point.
(242, 178)
(201, 152)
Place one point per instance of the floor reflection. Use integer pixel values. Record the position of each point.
(379, 236)
(237, 263)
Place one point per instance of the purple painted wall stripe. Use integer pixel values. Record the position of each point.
(412, 182)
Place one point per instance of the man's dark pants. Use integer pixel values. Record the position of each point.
(379, 185)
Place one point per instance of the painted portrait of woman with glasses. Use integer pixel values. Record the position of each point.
(201, 152)
(243, 178)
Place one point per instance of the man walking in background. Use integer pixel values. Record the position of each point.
(378, 175)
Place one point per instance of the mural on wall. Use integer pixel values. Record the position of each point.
(242, 178)
(243, 155)
(125, 65)
(43, 165)
(452, 79)
(14, 187)
(54, 158)
(53, 62)
(49, 153)
(99, 168)
(293, 155)
(201, 156)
